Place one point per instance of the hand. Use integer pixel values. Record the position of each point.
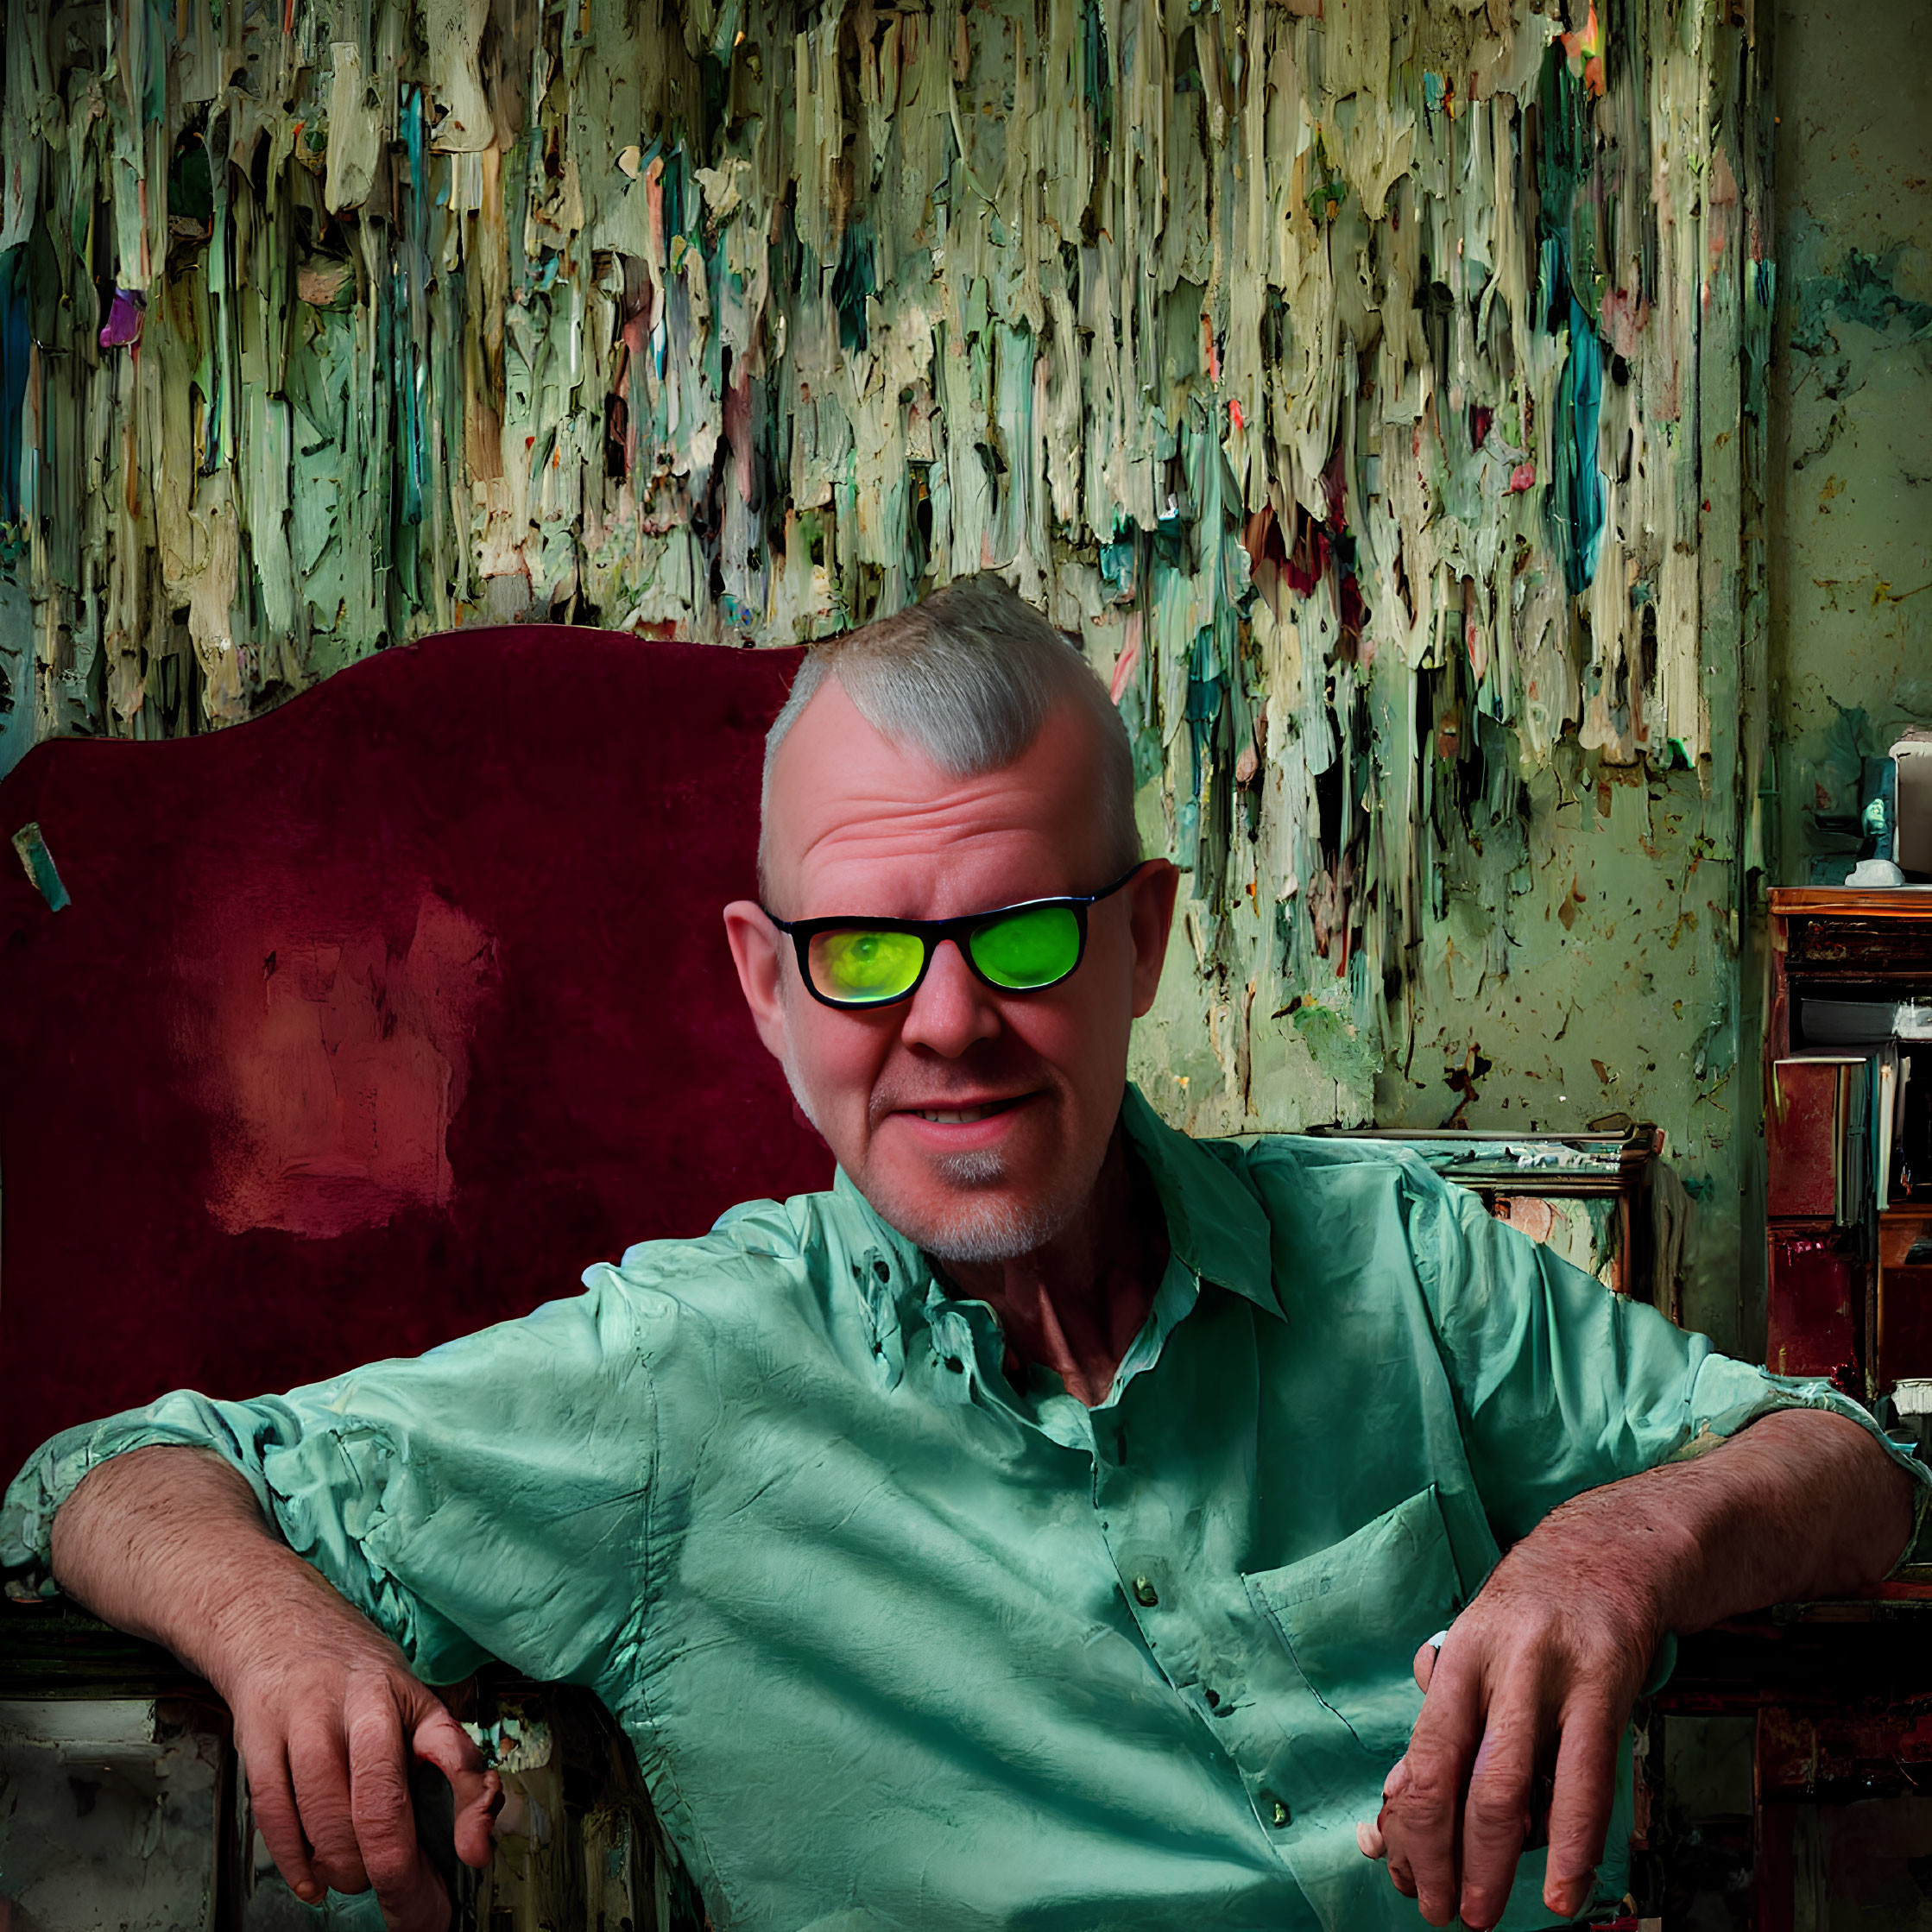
(169, 1543)
(1533, 1689)
(1526, 1702)
(326, 1727)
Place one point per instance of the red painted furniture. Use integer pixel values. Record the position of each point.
(378, 1019)
(1828, 1280)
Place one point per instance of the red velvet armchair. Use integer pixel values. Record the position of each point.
(378, 1019)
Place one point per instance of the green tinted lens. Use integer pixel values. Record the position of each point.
(860, 965)
(1027, 950)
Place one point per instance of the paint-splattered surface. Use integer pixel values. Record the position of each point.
(1376, 392)
(1852, 639)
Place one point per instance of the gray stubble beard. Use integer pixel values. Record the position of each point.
(985, 1231)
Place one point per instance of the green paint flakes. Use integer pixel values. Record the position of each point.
(1336, 1046)
(1862, 290)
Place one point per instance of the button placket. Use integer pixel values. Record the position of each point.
(1202, 1632)
(1147, 1583)
(1197, 1642)
(871, 1281)
(951, 1339)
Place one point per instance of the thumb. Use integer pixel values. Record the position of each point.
(1427, 1658)
(438, 1740)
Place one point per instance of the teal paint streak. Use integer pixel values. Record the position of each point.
(1097, 71)
(14, 354)
(1570, 207)
(1569, 192)
(1577, 508)
(40, 868)
(855, 281)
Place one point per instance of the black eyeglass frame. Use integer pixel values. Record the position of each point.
(932, 933)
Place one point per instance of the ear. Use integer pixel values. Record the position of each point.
(1150, 913)
(757, 951)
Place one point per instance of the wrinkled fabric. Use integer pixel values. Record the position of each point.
(901, 1645)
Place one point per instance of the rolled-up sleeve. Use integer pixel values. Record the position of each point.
(484, 1499)
(1562, 1385)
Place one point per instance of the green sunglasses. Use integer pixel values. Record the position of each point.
(849, 963)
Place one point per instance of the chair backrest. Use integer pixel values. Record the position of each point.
(378, 1019)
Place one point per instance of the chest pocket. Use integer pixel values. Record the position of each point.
(1353, 1616)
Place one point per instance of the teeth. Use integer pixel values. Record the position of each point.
(959, 1117)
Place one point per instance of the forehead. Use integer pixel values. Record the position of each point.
(858, 825)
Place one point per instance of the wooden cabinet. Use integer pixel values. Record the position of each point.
(1903, 1323)
(1848, 1196)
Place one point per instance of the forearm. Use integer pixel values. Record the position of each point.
(170, 1545)
(1802, 1504)
(1541, 1670)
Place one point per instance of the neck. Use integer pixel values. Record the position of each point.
(1075, 1304)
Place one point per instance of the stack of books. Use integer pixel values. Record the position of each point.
(1847, 1127)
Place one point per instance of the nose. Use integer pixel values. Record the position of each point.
(953, 1009)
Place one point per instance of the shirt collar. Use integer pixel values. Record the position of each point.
(1215, 1225)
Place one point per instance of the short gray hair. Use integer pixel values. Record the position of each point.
(968, 677)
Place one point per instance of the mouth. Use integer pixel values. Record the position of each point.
(965, 1116)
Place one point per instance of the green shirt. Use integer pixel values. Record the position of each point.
(900, 1645)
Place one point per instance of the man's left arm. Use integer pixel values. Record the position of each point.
(1538, 1678)
(1643, 1485)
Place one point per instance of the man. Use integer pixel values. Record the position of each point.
(1041, 1528)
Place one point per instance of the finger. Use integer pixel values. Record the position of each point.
(1580, 1806)
(385, 1821)
(318, 1770)
(1495, 1810)
(1400, 1876)
(1368, 1837)
(1393, 1788)
(272, 1804)
(1423, 1817)
(1425, 1665)
(440, 1741)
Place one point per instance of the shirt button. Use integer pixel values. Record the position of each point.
(1278, 1813)
(1145, 1594)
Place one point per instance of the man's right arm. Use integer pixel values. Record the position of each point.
(489, 1499)
(169, 1543)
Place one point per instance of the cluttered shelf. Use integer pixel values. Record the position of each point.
(1848, 1143)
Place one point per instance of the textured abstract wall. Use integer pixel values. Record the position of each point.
(1375, 390)
(1851, 496)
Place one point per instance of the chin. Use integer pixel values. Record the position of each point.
(994, 1231)
(975, 1225)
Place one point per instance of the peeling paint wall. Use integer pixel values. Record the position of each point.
(1376, 390)
(1853, 472)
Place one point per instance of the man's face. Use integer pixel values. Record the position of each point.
(974, 1119)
